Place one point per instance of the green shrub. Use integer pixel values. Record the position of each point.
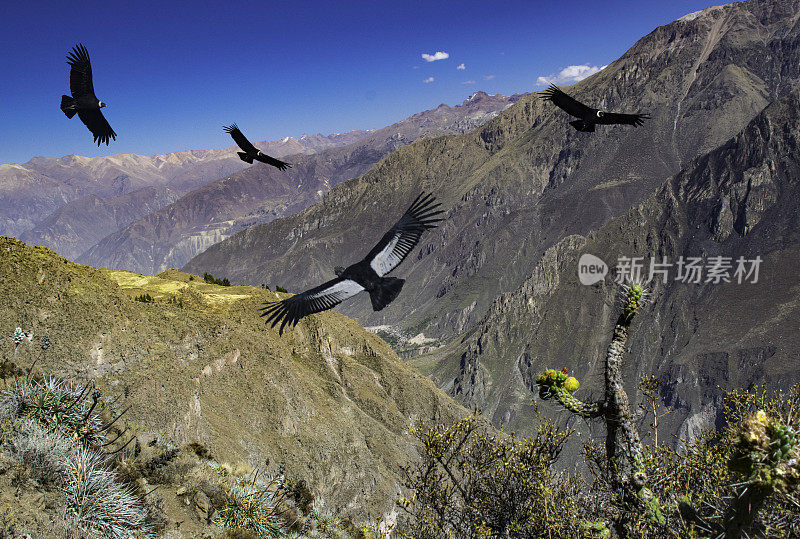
(470, 483)
(207, 277)
(324, 525)
(56, 405)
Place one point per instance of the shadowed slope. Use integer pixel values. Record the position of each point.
(741, 199)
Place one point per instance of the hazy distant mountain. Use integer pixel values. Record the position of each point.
(525, 180)
(76, 226)
(39, 199)
(171, 236)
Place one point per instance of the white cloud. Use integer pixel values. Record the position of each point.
(429, 79)
(414, 67)
(570, 75)
(435, 56)
(488, 77)
(462, 67)
(468, 82)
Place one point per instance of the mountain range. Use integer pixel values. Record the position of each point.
(173, 235)
(45, 200)
(73, 203)
(525, 191)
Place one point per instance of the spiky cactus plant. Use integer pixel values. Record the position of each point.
(58, 405)
(626, 468)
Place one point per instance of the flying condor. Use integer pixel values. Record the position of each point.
(83, 101)
(589, 116)
(251, 152)
(367, 275)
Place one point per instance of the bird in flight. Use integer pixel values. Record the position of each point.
(83, 101)
(589, 116)
(251, 152)
(367, 275)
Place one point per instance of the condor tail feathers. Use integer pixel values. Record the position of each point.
(386, 292)
(247, 158)
(68, 106)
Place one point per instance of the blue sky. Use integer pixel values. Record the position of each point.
(173, 73)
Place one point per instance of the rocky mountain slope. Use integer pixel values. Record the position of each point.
(197, 365)
(526, 180)
(739, 200)
(258, 194)
(76, 226)
(43, 199)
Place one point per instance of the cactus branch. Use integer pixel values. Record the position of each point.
(568, 401)
(623, 445)
(626, 468)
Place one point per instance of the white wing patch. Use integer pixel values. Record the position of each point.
(340, 291)
(387, 259)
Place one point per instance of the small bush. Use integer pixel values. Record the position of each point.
(207, 277)
(281, 289)
(324, 524)
(470, 483)
(145, 298)
(56, 405)
(172, 300)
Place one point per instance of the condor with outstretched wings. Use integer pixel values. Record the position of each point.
(589, 116)
(83, 101)
(250, 152)
(367, 274)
